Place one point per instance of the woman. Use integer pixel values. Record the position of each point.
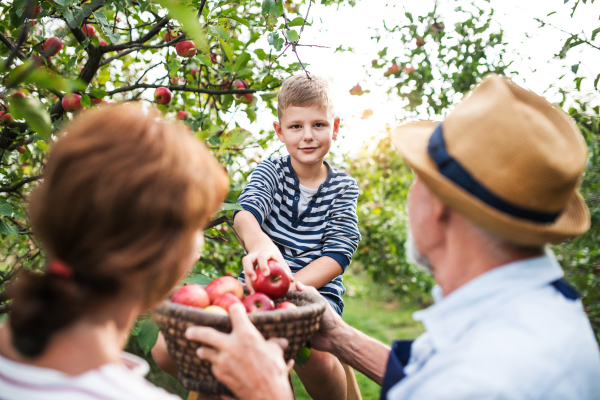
(120, 214)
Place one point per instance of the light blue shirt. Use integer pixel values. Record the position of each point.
(507, 334)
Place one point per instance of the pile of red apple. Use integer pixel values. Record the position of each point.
(221, 293)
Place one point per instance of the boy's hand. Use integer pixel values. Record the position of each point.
(257, 261)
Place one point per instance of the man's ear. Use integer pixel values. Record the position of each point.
(277, 127)
(336, 127)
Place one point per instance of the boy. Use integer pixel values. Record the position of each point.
(301, 212)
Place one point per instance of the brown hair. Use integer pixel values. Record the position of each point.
(124, 191)
(299, 91)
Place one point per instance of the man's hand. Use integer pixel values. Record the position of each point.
(331, 324)
(257, 261)
(250, 366)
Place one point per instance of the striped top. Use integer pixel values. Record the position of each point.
(328, 226)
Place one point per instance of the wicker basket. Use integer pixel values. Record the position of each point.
(296, 325)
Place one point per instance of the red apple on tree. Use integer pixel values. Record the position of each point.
(213, 58)
(222, 285)
(356, 91)
(420, 42)
(6, 119)
(52, 46)
(216, 310)
(191, 295)
(34, 12)
(185, 48)
(170, 36)
(18, 95)
(182, 114)
(258, 302)
(286, 305)
(239, 85)
(247, 98)
(195, 73)
(95, 100)
(174, 80)
(89, 30)
(409, 70)
(276, 284)
(162, 95)
(71, 102)
(21, 149)
(393, 70)
(225, 301)
(102, 42)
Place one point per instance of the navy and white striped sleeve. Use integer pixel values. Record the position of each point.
(341, 235)
(257, 196)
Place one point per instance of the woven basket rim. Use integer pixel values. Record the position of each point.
(198, 316)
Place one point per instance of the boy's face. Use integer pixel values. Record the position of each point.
(307, 133)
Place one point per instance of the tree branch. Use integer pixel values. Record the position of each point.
(125, 52)
(184, 89)
(20, 183)
(151, 33)
(12, 47)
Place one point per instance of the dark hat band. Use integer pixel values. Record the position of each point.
(451, 169)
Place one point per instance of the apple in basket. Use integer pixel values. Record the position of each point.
(274, 285)
(258, 302)
(286, 305)
(216, 310)
(191, 295)
(225, 301)
(222, 285)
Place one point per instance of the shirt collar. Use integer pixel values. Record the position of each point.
(452, 315)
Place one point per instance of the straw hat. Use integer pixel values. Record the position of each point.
(505, 159)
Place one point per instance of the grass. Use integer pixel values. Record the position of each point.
(372, 309)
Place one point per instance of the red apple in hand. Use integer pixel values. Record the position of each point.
(258, 302)
(71, 102)
(286, 305)
(276, 284)
(225, 301)
(185, 48)
(222, 285)
(162, 95)
(191, 295)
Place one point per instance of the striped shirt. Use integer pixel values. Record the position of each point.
(328, 226)
(124, 381)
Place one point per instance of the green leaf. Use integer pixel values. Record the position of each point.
(303, 355)
(204, 59)
(275, 41)
(575, 68)
(227, 49)
(6, 209)
(71, 63)
(241, 61)
(234, 137)
(409, 16)
(240, 20)
(268, 96)
(250, 113)
(271, 10)
(578, 82)
(594, 33)
(86, 101)
(549, 14)
(114, 37)
(224, 207)
(298, 21)
(34, 113)
(198, 279)
(103, 76)
(147, 335)
(7, 229)
(596, 81)
(101, 18)
(214, 140)
(219, 31)
(260, 53)
(98, 93)
(292, 35)
(41, 77)
(187, 18)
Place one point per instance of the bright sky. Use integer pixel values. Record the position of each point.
(533, 49)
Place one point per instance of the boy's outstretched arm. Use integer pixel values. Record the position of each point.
(319, 272)
(259, 246)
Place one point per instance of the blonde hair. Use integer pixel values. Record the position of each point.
(300, 91)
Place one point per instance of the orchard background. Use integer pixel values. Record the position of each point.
(420, 61)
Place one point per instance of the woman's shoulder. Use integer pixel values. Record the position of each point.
(110, 381)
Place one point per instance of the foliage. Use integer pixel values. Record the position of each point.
(442, 75)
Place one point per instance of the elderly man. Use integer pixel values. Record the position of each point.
(495, 182)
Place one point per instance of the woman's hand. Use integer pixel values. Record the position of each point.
(250, 366)
(257, 261)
